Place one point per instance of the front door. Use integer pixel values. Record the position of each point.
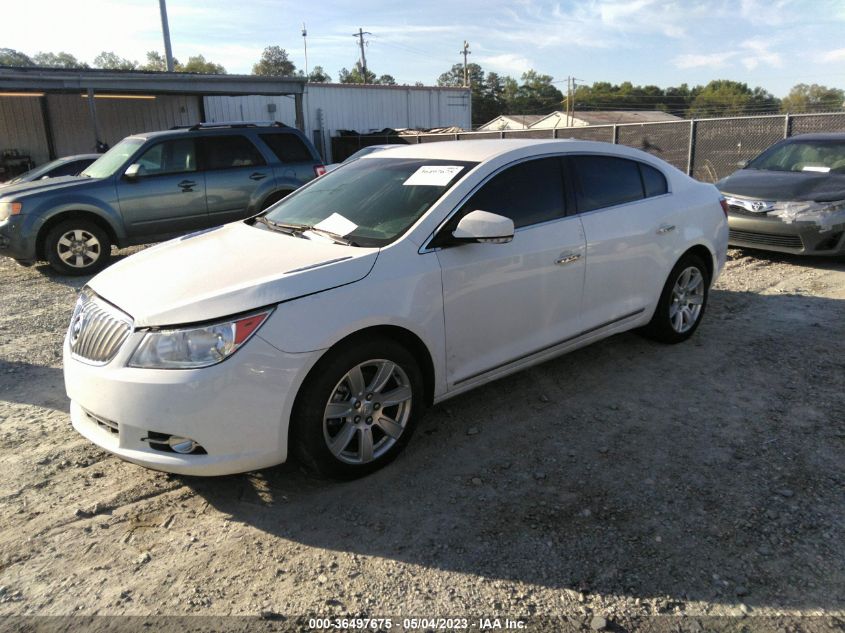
(168, 195)
(503, 302)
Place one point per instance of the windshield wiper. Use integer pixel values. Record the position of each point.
(299, 229)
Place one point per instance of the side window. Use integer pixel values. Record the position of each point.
(527, 193)
(169, 157)
(653, 181)
(230, 152)
(288, 148)
(607, 181)
(70, 169)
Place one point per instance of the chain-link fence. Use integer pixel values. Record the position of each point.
(707, 149)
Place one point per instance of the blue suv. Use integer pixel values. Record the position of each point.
(151, 187)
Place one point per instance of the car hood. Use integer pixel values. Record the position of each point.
(224, 271)
(53, 184)
(784, 185)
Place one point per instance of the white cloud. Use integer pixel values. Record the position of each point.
(507, 63)
(757, 52)
(836, 55)
(711, 60)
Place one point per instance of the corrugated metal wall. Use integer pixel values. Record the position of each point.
(22, 128)
(349, 107)
(117, 118)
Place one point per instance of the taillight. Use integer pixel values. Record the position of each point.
(724, 204)
(319, 170)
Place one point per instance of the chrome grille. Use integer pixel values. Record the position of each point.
(97, 329)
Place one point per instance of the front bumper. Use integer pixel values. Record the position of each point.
(773, 234)
(237, 410)
(17, 239)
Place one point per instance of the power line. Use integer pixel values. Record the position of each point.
(465, 52)
(360, 35)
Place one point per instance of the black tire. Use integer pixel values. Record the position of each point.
(310, 437)
(661, 327)
(95, 257)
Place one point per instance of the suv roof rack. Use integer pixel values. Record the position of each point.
(228, 124)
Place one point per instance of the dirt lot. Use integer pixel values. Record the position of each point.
(624, 480)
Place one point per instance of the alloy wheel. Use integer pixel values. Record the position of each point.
(79, 248)
(687, 300)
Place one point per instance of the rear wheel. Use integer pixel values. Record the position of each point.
(358, 409)
(682, 302)
(77, 247)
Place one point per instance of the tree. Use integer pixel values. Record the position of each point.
(723, 97)
(198, 64)
(11, 57)
(112, 61)
(355, 76)
(57, 60)
(813, 98)
(537, 94)
(319, 76)
(455, 76)
(156, 62)
(386, 80)
(274, 61)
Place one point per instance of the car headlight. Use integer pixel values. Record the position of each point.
(194, 347)
(8, 209)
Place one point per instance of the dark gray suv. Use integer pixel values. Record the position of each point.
(152, 187)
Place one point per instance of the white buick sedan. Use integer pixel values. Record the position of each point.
(326, 325)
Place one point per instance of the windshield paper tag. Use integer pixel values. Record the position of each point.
(338, 224)
(822, 170)
(433, 175)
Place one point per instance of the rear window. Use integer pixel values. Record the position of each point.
(607, 181)
(653, 181)
(229, 152)
(288, 148)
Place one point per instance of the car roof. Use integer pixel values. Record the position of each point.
(483, 150)
(223, 129)
(826, 136)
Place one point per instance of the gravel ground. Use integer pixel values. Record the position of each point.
(624, 480)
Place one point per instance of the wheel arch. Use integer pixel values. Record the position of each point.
(71, 214)
(702, 251)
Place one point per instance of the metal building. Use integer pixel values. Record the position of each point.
(48, 112)
(329, 108)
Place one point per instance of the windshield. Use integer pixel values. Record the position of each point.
(809, 156)
(364, 151)
(371, 202)
(113, 159)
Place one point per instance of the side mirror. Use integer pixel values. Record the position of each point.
(132, 172)
(742, 164)
(484, 227)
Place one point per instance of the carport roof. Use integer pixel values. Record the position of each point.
(71, 80)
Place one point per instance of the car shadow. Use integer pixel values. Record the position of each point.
(711, 470)
(26, 383)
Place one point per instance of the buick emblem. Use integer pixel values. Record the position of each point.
(76, 327)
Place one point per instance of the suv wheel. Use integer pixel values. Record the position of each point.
(358, 410)
(77, 247)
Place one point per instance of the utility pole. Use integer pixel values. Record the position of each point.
(165, 30)
(465, 52)
(305, 45)
(360, 35)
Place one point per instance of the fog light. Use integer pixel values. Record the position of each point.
(181, 444)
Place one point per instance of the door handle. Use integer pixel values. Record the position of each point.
(568, 258)
(257, 176)
(665, 228)
(187, 185)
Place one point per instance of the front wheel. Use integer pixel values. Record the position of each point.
(77, 247)
(358, 409)
(682, 302)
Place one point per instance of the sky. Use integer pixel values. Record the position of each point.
(770, 43)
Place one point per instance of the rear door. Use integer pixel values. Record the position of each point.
(503, 302)
(234, 171)
(296, 160)
(631, 227)
(168, 196)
